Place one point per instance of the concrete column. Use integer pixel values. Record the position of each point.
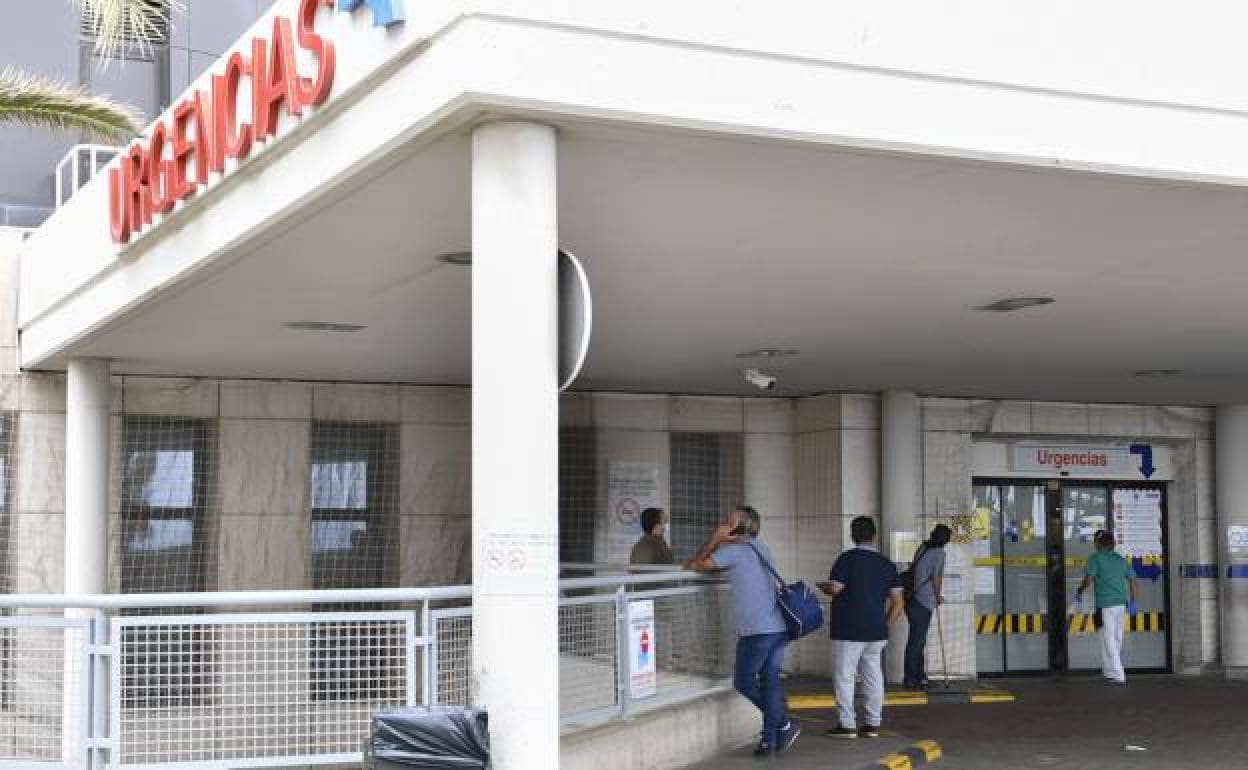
(901, 495)
(1231, 485)
(901, 475)
(87, 404)
(515, 431)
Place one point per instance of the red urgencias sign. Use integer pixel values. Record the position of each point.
(154, 173)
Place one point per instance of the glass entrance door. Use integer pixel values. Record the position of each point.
(1032, 541)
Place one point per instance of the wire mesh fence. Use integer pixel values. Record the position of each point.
(127, 685)
(43, 688)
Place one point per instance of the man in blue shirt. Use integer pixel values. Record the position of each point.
(866, 597)
(735, 550)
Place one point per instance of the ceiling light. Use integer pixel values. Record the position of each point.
(323, 326)
(769, 353)
(1010, 304)
(1157, 373)
(460, 258)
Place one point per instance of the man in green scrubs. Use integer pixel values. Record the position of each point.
(1113, 583)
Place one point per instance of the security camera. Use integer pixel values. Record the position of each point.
(760, 379)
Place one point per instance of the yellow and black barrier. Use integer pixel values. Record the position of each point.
(916, 755)
(992, 624)
(817, 702)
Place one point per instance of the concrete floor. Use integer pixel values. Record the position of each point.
(1183, 723)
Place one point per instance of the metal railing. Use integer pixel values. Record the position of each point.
(78, 165)
(280, 678)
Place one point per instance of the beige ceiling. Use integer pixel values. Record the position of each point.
(701, 247)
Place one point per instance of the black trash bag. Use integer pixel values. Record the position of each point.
(440, 738)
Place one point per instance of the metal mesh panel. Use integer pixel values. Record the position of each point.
(707, 477)
(587, 656)
(43, 689)
(453, 637)
(354, 493)
(578, 493)
(258, 699)
(165, 536)
(694, 643)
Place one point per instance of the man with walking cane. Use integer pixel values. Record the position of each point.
(923, 583)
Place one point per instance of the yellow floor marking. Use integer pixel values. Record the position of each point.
(895, 762)
(931, 749)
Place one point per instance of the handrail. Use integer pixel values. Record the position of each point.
(334, 596)
(577, 566)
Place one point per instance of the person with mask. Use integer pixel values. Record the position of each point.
(652, 547)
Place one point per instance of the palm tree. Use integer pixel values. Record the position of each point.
(30, 100)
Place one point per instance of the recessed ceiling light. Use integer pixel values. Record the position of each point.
(769, 353)
(460, 258)
(1010, 304)
(323, 326)
(1157, 373)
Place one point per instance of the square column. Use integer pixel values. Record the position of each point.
(515, 433)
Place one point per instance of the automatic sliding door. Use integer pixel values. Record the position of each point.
(1084, 511)
(1025, 571)
(989, 651)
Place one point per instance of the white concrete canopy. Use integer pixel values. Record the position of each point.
(731, 181)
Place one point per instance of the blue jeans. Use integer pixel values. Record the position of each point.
(920, 619)
(757, 677)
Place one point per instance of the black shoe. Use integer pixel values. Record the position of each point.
(763, 751)
(787, 735)
(842, 732)
(869, 731)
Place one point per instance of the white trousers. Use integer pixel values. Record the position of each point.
(859, 659)
(1113, 625)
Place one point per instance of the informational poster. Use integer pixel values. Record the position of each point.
(958, 571)
(632, 487)
(1237, 539)
(1137, 522)
(985, 581)
(643, 677)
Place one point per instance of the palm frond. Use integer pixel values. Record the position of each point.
(37, 102)
(119, 24)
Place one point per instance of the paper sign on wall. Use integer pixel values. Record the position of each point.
(1237, 538)
(643, 678)
(632, 487)
(1137, 522)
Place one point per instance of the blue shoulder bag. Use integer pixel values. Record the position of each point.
(799, 606)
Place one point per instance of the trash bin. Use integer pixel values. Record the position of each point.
(439, 738)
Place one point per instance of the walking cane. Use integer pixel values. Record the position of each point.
(940, 632)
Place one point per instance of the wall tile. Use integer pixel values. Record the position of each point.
(435, 550)
(626, 411)
(42, 392)
(947, 476)
(699, 413)
(1059, 419)
(1206, 541)
(991, 416)
(435, 405)
(10, 391)
(1125, 420)
(769, 468)
(860, 410)
(860, 473)
(946, 414)
(818, 480)
(435, 470)
(266, 400)
(770, 415)
(355, 403)
(819, 413)
(264, 466)
(262, 551)
(1178, 422)
(38, 552)
(40, 463)
(576, 410)
(170, 396)
(1208, 588)
(1209, 631)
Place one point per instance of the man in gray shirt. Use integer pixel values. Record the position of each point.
(734, 550)
(928, 569)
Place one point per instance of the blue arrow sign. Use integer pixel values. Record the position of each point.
(1145, 451)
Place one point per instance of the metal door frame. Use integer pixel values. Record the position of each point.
(1056, 567)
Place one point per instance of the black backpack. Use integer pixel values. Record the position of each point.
(907, 577)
